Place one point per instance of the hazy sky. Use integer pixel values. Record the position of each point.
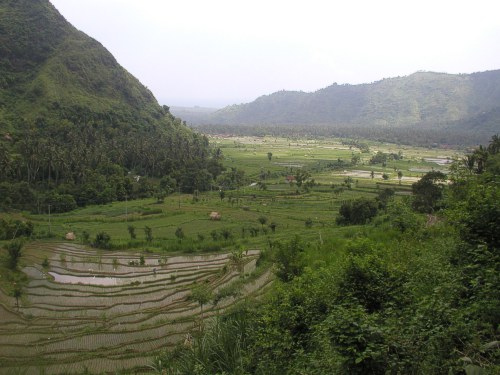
(221, 52)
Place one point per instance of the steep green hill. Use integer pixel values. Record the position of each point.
(74, 121)
(426, 99)
(50, 69)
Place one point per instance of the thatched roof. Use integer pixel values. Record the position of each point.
(214, 215)
(70, 236)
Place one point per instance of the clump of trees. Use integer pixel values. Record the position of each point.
(11, 229)
(71, 163)
(102, 241)
(14, 253)
(289, 259)
(357, 211)
(231, 179)
(428, 191)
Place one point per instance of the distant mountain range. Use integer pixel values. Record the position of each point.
(426, 99)
(193, 115)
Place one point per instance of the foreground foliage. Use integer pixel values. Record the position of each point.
(404, 296)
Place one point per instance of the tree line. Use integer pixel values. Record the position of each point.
(422, 135)
(91, 160)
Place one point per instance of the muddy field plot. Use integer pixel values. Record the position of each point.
(95, 311)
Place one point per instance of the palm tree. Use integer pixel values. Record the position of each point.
(481, 155)
(494, 146)
(262, 220)
(16, 293)
(201, 294)
(14, 253)
(469, 161)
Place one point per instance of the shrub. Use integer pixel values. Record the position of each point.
(358, 211)
(254, 232)
(102, 241)
(226, 233)
(273, 226)
(10, 229)
(14, 253)
(378, 158)
(428, 191)
(59, 203)
(131, 231)
(148, 231)
(85, 236)
(289, 260)
(262, 220)
(384, 197)
(179, 233)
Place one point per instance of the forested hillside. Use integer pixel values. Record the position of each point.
(424, 100)
(75, 126)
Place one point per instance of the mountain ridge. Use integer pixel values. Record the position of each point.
(422, 98)
(50, 64)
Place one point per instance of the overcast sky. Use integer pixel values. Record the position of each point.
(214, 53)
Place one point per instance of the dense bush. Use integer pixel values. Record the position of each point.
(358, 211)
(426, 300)
(10, 229)
(102, 241)
(288, 259)
(428, 191)
(58, 203)
(13, 253)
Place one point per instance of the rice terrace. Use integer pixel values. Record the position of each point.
(343, 218)
(108, 309)
(119, 313)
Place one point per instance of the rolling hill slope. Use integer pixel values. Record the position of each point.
(436, 100)
(74, 122)
(51, 70)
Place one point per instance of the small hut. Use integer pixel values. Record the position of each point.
(70, 236)
(214, 215)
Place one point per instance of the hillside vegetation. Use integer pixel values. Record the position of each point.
(130, 245)
(423, 101)
(51, 71)
(75, 123)
(403, 293)
(378, 264)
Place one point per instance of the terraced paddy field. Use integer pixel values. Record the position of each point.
(99, 311)
(112, 310)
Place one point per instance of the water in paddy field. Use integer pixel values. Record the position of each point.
(86, 280)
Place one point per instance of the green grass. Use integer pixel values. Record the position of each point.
(137, 312)
(281, 203)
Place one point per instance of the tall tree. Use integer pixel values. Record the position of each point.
(428, 191)
(14, 253)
